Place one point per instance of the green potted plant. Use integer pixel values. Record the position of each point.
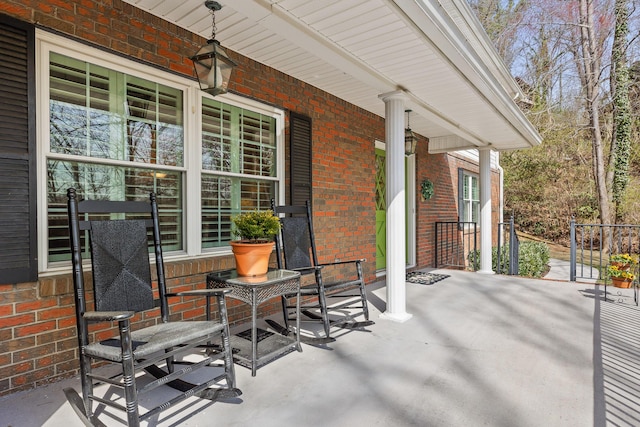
(255, 231)
(620, 269)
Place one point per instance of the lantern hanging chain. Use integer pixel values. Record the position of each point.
(213, 23)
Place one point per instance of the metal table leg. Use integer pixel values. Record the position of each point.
(254, 333)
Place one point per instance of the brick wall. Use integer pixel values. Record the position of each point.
(442, 170)
(37, 323)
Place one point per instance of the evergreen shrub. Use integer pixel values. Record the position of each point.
(533, 259)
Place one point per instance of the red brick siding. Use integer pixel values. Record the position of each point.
(37, 320)
(41, 345)
(442, 170)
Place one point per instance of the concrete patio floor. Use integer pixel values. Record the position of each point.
(479, 350)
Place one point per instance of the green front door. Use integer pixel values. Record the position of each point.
(381, 210)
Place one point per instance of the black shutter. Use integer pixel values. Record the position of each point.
(18, 262)
(300, 164)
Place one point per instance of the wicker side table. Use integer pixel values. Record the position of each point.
(254, 290)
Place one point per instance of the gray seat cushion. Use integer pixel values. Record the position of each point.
(155, 338)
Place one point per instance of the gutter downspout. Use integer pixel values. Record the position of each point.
(501, 193)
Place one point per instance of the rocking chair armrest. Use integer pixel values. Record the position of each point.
(348, 261)
(105, 316)
(218, 292)
(306, 270)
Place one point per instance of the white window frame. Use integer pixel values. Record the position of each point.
(236, 101)
(466, 214)
(191, 169)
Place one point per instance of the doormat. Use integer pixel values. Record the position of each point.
(262, 334)
(424, 278)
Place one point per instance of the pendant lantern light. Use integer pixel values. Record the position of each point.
(212, 65)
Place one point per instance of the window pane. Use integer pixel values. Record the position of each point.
(216, 211)
(237, 140)
(257, 142)
(96, 113)
(223, 198)
(80, 122)
(475, 211)
(216, 136)
(154, 123)
(471, 198)
(475, 190)
(238, 145)
(100, 182)
(256, 194)
(101, 113)
(466, 190)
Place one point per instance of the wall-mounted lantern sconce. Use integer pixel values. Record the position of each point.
(410, 140)
(212, 65)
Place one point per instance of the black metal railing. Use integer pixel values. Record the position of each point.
(454, 240)
(592, 243)
(513, 267)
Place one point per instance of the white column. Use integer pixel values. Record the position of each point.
(485, 212)
(396, 256)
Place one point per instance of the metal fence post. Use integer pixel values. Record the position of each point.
(514, 248)
(498, 257)
(572, 250)
(435, 236)
(475, 239)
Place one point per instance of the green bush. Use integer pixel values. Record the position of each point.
(256, 226)
(474, 259)
(533, 259)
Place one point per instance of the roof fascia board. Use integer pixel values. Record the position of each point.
(445, 37)
(449, 143)
(278, 20)
(482, 38)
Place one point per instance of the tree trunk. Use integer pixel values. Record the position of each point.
(590, 64)
(621, 141)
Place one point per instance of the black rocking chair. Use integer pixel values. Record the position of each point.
(296, 250)
(122, 287)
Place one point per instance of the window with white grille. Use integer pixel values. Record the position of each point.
(469, 197)
(118, 130)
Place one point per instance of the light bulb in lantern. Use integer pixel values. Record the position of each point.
(214, 79)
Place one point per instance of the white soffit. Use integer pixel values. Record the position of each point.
(358, 49)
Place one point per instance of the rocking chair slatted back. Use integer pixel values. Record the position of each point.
(118, 237)
(296, 250)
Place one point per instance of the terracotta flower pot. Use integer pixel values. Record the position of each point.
(620, 282)
(252, 259)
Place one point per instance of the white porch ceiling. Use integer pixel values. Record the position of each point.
(461, 94)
